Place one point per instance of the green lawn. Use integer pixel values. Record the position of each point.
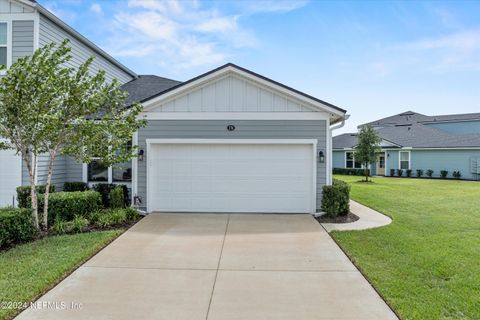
(426, 264)
(28, 270)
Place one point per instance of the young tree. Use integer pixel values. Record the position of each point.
(48, 108)
(367, 148)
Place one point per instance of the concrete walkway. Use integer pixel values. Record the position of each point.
(369, 218)
(217, 267)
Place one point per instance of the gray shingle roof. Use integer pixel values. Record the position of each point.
(401, 118)
(454, 117)
(346, 140)
(421, 136)
(415, 135)
(146, 86)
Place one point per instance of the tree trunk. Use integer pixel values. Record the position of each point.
(33, 188)
(47, 190)
(366, 173)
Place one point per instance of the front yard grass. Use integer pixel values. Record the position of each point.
(28, 270)
(426, 264)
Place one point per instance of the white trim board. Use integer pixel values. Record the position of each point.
(234, 116)
(312, 142)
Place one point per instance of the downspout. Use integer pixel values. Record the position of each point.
(330, 163)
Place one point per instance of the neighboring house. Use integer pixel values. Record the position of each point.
(414, 141)
(229, 140)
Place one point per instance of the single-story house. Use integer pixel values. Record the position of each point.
(415, 141)
(229, 140)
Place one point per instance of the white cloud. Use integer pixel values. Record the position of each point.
(181, 34)
(97, 8)
(264, 6)
(451, 52)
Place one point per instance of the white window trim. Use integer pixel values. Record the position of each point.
(345, 157)
(400, 159)
(312, 142)
(110, 176)
(9, 18)
(8, 45)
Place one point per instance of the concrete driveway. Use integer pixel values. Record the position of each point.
(216, 266)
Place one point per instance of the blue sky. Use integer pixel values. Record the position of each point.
(373, 58)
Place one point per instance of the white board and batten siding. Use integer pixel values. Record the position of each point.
(7, 6)
(232, 93)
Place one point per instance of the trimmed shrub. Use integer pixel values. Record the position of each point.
(117, 197)
(15, 226)
(443, 173)
(430, 173)
(408, 173)
(350, 171)
(109, 217)
(23, 194)
(419, 173)
(105, 188)
(392, 172)
(131, 214)
(75, 186)
(399, 172)
(66, 205)
(335, 200)
(457, 174)
(79, 224)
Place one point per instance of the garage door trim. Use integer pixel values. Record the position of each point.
(312, 142)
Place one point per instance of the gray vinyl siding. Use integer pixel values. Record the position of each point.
(50, 32)
(74, 170)
(65, 169)
(22, 39)
(59, 171)
(216, 129)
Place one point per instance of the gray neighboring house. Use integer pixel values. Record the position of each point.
(229, 140)
(411, 140)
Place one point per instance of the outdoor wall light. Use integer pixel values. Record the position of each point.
(321, 157)
(140, 154)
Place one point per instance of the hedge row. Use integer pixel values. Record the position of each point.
(350, 171)
(15, 226)
(66, 205)
(336, 198)
(23, 194)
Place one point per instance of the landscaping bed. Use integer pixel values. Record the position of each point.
(349, 217)
(425, 264)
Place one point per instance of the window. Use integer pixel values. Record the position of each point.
(350, 161)
(122, 172)
(3, 43)
(404, 160)
(97, 171)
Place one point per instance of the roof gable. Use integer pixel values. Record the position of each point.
(233, 89)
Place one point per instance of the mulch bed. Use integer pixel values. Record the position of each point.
(350, 217)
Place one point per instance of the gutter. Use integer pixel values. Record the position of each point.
(341, 124)
(81, 38)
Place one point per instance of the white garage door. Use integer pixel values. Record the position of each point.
(231, 178)
(10, 176)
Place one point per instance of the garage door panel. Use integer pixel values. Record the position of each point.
(231, 178)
